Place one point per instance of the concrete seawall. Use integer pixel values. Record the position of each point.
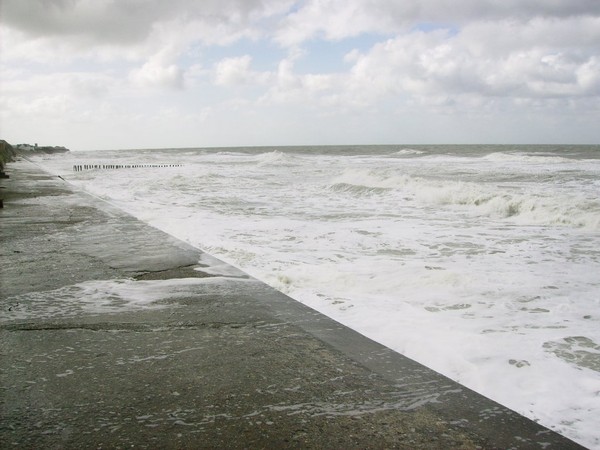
(114, 334)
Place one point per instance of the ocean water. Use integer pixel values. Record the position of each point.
(481, 262)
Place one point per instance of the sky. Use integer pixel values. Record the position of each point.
(112, 74)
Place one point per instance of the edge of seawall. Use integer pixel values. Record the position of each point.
(224, 361)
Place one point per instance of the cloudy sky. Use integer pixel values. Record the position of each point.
(104, 74)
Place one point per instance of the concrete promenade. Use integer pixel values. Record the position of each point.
(215, 360)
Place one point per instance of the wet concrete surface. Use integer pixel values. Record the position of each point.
(216, 359)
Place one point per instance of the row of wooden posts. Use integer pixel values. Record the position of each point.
(80, 167)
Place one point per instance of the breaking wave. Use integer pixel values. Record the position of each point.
(524, 157)
(275, 157)
(477, 199)
(409, 152)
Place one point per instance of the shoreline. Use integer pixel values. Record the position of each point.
(230, 362)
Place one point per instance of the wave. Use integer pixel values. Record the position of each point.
(357, 190)
(275, 157)
(524, 157)
(476, 199)
(408, 152)
(532, 209)
(525, 208)
(379, 179)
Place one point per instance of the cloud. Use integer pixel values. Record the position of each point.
(233, 71)
(491, 60)
(160, 70)
(89, 24)
(155, 74)
(148, 37)
(487, 66)
(339, 19)
(94, 20)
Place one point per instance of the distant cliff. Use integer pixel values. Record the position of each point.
(7, 153)
(32, 149)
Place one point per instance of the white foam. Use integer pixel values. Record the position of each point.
(106, 297)
(409, 152)
(524, 157)
(274, 157)
(213, 266)
(500, 201)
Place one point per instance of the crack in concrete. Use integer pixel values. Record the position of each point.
(123, 327)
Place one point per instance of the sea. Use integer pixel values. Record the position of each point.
(481, 262)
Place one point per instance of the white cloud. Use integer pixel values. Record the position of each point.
(153, 73)
(338, 19)
(333, 19)
(312, 90)
(76, 84)
(444, 63)
(160, 70)
(588, 76)
(233, 71)
(130, 28)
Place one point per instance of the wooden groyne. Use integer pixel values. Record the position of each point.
(80, 167)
